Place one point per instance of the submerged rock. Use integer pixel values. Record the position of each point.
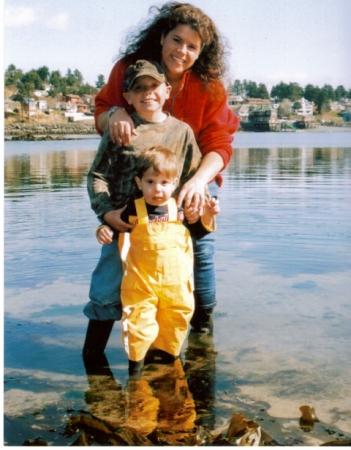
(37, 442)
(308, 418)
(243, 431)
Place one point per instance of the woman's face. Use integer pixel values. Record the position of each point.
(180, 49)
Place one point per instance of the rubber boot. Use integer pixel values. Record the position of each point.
(135, 369)
(97, 366)
(98, 333)
(158, 356)
(202, 321)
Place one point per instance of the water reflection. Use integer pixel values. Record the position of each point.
(46, 171)
(277, 162)
(283, 270)
(200, 367)
(160, 399)
(171, 398)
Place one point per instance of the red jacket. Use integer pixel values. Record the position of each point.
(205, 110)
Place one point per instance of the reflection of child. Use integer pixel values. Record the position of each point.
(157, 286)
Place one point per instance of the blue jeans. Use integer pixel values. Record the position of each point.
(105, 286)
(204, 268)
(204, 272)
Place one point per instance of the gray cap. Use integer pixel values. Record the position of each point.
(141, 68)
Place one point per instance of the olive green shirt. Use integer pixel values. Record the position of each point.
(111, 183)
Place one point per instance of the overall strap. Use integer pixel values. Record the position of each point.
(141, 210)
(172, 210)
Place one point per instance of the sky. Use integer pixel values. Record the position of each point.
(303, 41)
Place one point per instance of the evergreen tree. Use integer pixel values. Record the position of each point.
(329, 91)
(262, 91)
(311, 92)
(340, 92)
(322, 102)
(78, 77)
(86, 89)
(237, 88)
(12, 75)
(295, 92)
(281, 91)
(100, 81)
(69, 78)
(43, 73)
(33, 78)
(252, 89)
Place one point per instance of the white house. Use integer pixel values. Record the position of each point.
(234, 100)
(42, 105)
(78, 116)
(243, 112)
(39, 93)
(306, 108)
(29, 106)
(72, 108)
(335, 106)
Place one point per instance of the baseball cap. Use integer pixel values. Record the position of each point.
(141, 68)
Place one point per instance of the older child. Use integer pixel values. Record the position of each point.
(111, 185)
(157, 285)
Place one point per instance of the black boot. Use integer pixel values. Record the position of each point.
(158, 356)
(98, 333)
(135, 369)
(97, 366)
(202, 321)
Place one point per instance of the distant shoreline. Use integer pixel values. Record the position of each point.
(23, 132)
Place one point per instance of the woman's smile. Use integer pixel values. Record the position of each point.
(180, 49)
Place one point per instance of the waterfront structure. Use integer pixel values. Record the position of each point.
(260, 118)
(306, 108)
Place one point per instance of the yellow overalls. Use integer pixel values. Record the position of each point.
(157, 285)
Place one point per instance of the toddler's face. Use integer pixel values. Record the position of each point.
(156, 188)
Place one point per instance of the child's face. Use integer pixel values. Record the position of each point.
(147, 95)
(156, 188)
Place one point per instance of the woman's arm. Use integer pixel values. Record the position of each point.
(211, 164)
(120, 125)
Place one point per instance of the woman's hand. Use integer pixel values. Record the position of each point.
(193, 195)
(113, 218)
(121, 127)
(105, 235)
(193, 191)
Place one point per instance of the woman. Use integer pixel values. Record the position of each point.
(186, 42)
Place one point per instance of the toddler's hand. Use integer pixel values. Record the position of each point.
(212, 207)
(105, 235)
(191, 214)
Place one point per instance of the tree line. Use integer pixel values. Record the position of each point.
(321, 96)
(71, 83)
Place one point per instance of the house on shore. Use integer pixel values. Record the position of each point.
(29, 106)
(306, 108)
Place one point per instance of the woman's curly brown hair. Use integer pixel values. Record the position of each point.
(145, 43)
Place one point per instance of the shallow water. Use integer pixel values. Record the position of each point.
(282, 325)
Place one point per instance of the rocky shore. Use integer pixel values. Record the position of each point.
(42, 132)
(25, 132)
